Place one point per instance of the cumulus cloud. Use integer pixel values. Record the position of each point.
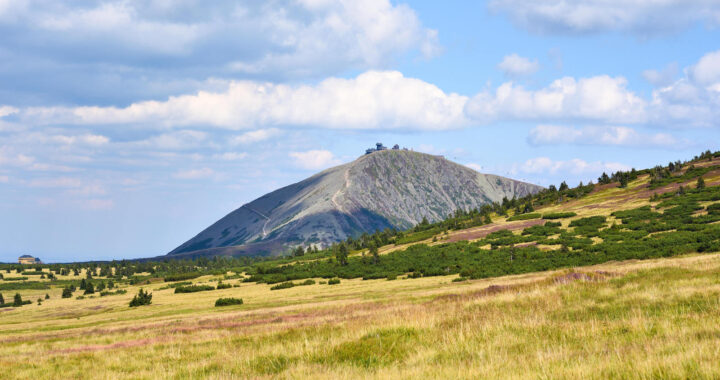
(576, 166)
(314, 159)
(514, 65)
(374, 99)
(596, 16)
(69, 48)
(256, 136)
(602, 98)
(601, 135)
(707, 70)
(191, 174)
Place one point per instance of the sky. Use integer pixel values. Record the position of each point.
(128, 127)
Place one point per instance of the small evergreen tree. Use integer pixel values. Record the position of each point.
(18, 300)
(111, 284)
(2, 300)
(375, 254)
(142, 298)
(89, 288)
(67, 293)
(83, 284)
(700, 183)
(341, 254)
(47, 296)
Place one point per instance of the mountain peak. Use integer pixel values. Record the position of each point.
(384, 188)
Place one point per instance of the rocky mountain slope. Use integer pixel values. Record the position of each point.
(389, 188)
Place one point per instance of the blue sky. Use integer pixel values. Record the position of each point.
(127, 127)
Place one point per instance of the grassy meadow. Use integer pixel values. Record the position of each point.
(639, 319)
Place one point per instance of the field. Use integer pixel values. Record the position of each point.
(645, 319)
(616, 283)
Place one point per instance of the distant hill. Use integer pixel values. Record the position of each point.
(389, 188)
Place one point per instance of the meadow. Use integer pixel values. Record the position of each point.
(636, 319)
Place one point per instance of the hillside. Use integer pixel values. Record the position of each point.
(385, 189)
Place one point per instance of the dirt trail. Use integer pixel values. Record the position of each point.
(267, 219)
(490, 228)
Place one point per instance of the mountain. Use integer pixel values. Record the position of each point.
(387, 188)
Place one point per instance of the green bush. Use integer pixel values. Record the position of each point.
(559, 215)
(228, 301)
(222, 285)
(67, 293)
(529, 216)
(333, 281)
(282, 285)
(141, 299)
(193, 288)
(181, 276)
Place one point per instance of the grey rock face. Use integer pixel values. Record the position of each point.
(391, 188)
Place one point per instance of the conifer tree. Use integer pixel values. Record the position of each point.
(2, 300)
(18, 300)
(700, 183)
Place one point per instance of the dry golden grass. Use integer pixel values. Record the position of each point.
(649, 319)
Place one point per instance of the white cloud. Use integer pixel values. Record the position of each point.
(191, 174)
(256, 136)
(230, 156)
(7, 110)
(595, 16)
(184, 139)
(280, 38)
(314, 159)
(375, 99)
(514, 65)
(576, 166)
(597, 135)
(601, 98)
(707, 70)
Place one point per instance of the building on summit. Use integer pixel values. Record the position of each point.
(28, 260)
(379, 146)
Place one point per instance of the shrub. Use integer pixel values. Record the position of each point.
(524, 217)
(460, 279)
(307, 282)
(559, 215)
(142, 298)
(66, 293)
(181, 277)
(228, 301)
(193, 288)
(282, 285)
(222, 285)
(17, 301)
(333, 281)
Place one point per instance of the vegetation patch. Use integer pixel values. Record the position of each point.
(378, 348)
(559, 215)
(528, 216)
(228, 301)
(193, 288)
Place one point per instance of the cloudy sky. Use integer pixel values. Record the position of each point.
(127, 127)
